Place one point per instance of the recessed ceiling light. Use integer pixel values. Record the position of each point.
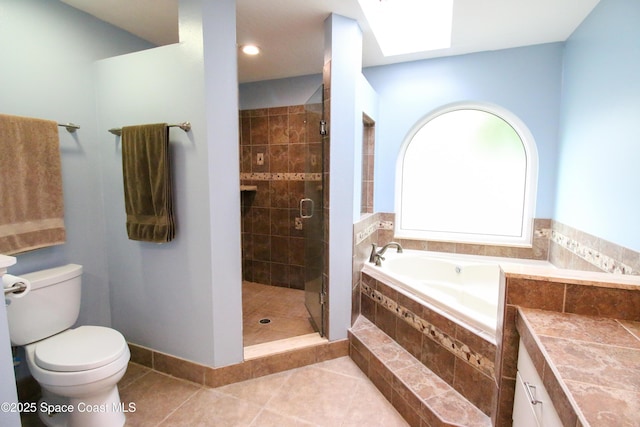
(250, 49)
(408, 26)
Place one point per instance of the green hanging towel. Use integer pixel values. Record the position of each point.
(147, 183)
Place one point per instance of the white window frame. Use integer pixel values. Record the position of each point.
(530, 191)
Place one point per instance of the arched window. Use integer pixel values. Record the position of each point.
(467, 173)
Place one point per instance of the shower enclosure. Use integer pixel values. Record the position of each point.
(282, 212)
(312, 212)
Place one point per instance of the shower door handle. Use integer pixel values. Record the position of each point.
(303, 211)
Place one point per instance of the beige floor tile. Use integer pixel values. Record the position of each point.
(267, 418)
(315, 395)
(333, 393)
(155, 397)
(344, 366)
(258, 390)
(211, 408)
(134, 372)
(370, 408)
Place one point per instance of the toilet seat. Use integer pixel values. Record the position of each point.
(80, 349)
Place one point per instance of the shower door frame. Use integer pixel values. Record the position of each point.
(311, 213)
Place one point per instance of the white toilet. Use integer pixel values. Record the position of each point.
(77, 369)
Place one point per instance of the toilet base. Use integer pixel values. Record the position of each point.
(99, 410)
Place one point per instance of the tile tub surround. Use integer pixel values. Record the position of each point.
(563, 246)
(575, 291)
(459, 357)
(379, 228)
(574, 249)
(290, 146)
(564, 291)
(589, 365)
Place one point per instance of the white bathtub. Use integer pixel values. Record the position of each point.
(464, 287)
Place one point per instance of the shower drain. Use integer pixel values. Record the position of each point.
(264, 321)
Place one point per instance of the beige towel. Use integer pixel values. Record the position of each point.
(31, 202)
(147, 183)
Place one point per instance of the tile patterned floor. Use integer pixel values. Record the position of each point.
(331, 393)
(283, 306)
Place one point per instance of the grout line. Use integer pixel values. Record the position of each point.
(286, 380)
(135, 380)
(182, 404)
(253, 421)
(633, 334)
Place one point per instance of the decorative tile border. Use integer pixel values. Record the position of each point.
(591, 255)
(458, 348)
(544, 233)
(372, 228)
(280, 176)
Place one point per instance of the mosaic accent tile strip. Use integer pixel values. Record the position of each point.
(542, 232)
(369, 230)
(385, 225)
(280, 176)
(592, 256)
(458, 348)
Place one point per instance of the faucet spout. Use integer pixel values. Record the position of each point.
(388, 245)
(376, 255)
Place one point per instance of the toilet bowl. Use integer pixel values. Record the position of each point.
(77, 369)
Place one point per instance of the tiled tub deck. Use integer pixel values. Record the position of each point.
(575, 297)
(460, 362)
(590, 360)
(397, 340)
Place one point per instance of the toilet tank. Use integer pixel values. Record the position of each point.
(50, 307)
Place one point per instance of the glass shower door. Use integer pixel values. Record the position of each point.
(312, 213)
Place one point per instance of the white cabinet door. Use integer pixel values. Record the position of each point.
(524, 414)
(530, 392)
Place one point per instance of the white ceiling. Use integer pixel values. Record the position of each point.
(290, 32)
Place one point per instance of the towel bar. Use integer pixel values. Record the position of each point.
(71, 128)
(185, 126)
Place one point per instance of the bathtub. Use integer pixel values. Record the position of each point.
(465, 288)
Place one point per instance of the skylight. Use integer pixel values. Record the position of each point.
(409, 26)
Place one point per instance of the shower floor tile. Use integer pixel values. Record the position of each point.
(283, 307)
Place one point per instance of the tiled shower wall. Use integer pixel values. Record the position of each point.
(280, 150)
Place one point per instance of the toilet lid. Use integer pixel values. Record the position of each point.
(80, 349)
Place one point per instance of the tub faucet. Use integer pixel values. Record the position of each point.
(376, 255)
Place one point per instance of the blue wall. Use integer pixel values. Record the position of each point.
(599, 154)
(183, 298)
(48, 51)
(525, 81)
